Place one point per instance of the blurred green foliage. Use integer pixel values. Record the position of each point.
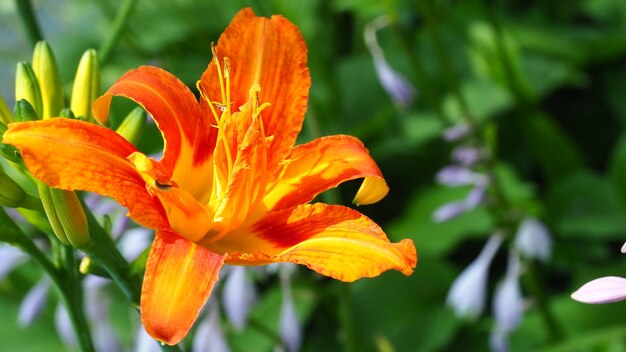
(549, 77)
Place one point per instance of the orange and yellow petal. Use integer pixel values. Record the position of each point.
(172, 105)
(319, 165)
(272, 53)
(178, 281)
(76, 155)
(333, 240)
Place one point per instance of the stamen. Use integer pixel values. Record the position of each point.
(227, 79)
(219, 70)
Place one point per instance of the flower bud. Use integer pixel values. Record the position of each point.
(133, 125)
(24, 111)
(47, 72)
(27, 86)
(66, 216)
(86, 85)
(5, 114)
(11, 194)
(67, 113)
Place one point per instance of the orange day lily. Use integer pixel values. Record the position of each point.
(231, 187)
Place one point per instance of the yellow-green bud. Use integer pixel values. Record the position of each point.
(47, 72)
(5, 114)
(11, 194)
(24, 111)
(132, 126)
(66, 215)
(27, 86)
(86, 85)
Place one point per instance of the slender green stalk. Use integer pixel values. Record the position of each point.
(263, 329)
(118, 25)
(347, 317)
(27, 16)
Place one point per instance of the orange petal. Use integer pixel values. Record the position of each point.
(173, 107)
(178, 281)
(272, 53)
(75, 155)
(319, 165)
(333, 240)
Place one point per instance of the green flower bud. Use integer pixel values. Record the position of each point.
(47, 72)
(133, 125)
(66, 215)
(5, 114)
(86, 85)
(11, 194)
(24, 111)
(27, 87)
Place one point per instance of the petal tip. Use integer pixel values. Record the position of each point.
(372, 190)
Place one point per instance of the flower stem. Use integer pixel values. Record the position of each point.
(346, 317)
(118, 25)
(25, 10)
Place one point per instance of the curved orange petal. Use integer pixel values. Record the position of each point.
(175, 110)
(319, 165)
(178, 281)
(272, 53)
(75, 155)
(333, 240)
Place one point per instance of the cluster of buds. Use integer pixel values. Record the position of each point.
(39, 95)
(461, 173)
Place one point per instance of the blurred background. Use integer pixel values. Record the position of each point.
(535, 89)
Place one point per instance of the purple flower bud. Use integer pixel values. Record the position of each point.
(475, 197)
(396, 86)
(459, 176)
(468, 292)
(533, 239)
(34, 302)
(603, 290)
(466, 155)
(238, 296)
(449, 211)
(456, 132)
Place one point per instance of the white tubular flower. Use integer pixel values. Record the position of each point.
(449, 211)
(456, 132)
(466, 155)
(397, 87)
(508, 305)
(209, 336)
(290, 329)
(144, 342)
(603, 290)
(63, 325)
(454, 175)
(11, 258)
(238, 296)
(533, 240)
(468, 292)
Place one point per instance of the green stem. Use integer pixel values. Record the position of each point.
(27, 16)
(72, 294)
(346, 317)
(535, 288)
(263, 329)
(118, 25)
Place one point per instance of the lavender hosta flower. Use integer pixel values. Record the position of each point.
(533, 239)
(209, 336)
(11, 258)
(623, 250)
(134, 242)
(466, 155)
(475, 197)
(104, 206)
(97, 304)
(290, 329)
(603, 290)
(34, 302)
(238, 296)
(449, 211)
(468, 292)
(508, 305)
(63, 326)
(455, 175)
(397, 87)
(456, 132)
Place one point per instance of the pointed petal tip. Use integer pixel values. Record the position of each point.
(602, 290)
(100, 108)
(372, 190)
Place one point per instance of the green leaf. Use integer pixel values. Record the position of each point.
(586, 205)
